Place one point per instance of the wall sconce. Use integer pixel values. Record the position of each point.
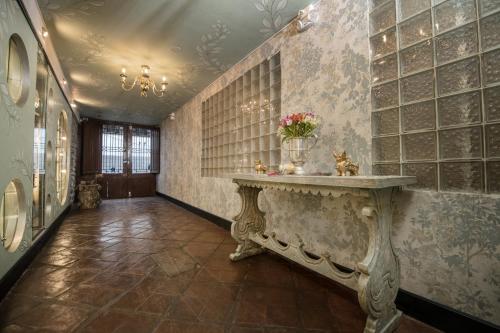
(307, 18)
(172, 116)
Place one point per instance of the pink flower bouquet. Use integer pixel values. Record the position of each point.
(298, 125)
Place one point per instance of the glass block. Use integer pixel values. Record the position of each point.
(375, 3)
(453, 13)
(416, 58)
(385, 122)
(493, 140)
(490, 26)
(488, 6)
(457, 43)
(461, 176)
(493, 176)
(408, 8)
(460, 109)
(384, 43)
(386, 149)
(383, 17)
(415, 29)
(386, 170)
(419, 146)
(385, 95)
(417, 87)
(418, 116)
(426, 174)
(385, 69)
(492, 103)
(458, 76)
(461, 143)
(491, 67)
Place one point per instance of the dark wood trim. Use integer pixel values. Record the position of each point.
(221, 222)
(123, 123)
(440, 316)
(434, 314)
(15, 272)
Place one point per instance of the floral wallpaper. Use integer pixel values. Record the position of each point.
(16, 129)
(448, 243)
(190, 42)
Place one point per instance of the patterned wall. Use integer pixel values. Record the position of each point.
(16, 128)
(447, 242)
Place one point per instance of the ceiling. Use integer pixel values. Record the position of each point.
(192, 42)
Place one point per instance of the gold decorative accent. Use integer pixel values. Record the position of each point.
(260, 168)
(145, 82)
(345, 164)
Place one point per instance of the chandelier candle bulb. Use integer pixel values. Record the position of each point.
(145, 83)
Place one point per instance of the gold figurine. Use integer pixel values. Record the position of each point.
(260, 168)
(345, 164)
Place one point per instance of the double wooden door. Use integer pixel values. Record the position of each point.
(127, 157)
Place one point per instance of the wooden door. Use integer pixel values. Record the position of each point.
(114, 161)
(126, 166)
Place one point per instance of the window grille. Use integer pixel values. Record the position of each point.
(113, 148)
(141, 150)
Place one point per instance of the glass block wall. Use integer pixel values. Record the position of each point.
(240, 122)
(436, 92)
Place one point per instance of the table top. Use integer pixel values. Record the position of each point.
(369, 182)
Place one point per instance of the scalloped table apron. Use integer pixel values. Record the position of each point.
(375, 278)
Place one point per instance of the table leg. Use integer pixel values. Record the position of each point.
(378, 283)
(250, 219)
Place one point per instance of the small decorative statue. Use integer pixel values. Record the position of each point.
(345, 164)
(260, 168)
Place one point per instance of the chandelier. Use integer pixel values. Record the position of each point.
(145, 82)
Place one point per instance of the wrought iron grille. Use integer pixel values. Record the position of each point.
(113, 148)
(141, 150)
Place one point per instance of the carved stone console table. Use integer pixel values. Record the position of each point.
(375, 278)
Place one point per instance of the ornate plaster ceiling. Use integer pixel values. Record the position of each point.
(192, 42)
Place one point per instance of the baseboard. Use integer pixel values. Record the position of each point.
(434, 314)
(440, 316)
(221, 222)
(15, 272)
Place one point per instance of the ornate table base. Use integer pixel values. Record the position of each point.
(376, 278)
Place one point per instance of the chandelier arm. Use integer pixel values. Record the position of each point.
(155, 90)
(124, 87)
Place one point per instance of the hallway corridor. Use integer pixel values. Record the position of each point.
(147, 265)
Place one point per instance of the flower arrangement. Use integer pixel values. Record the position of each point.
(298, 125)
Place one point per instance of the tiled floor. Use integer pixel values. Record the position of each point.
(146, 265)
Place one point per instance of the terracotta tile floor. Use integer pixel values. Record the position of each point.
(146, 265)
